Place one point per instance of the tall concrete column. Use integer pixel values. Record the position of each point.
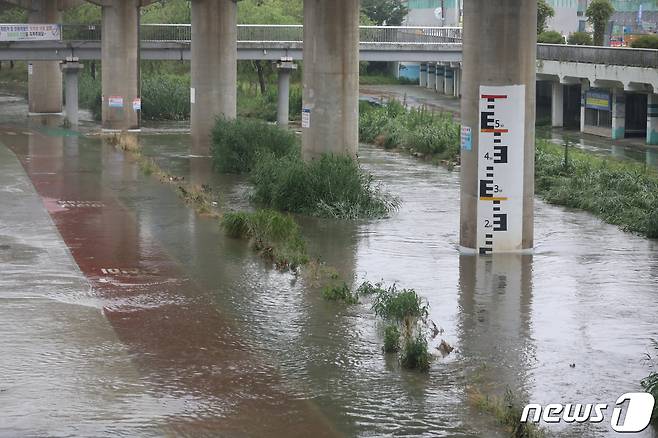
(557, 105)
(449, 83)
(440, 78)
(422, 79)
(456, 77)
(652, 118)
(498, 132)
(120, 64)
(44, 82)
(331, 77)
(214, 68)
(618, 113)
(285, 68)
(431, 76)
(584, 88)
(71, 69)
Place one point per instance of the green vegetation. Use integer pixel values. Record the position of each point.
(385, 12)
(408, 312)
(253, 104)
(544, 12)
(237, 143)
(598, 14)
(330, 186)
(580, 39)
(391, 339)
(507, 411)
(340, 292)
(384, 79)
(650, 383)
(417, 131)
(165, 97)
(645, 42)
(550, 37)
(275, 235)
(621, 193)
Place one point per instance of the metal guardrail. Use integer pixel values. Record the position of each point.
(277, 33)
(647, 58)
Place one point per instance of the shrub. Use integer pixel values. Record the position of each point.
(165, 97)
(580, 39)
(416, 130)
(391, 339)
(650, 385)
(236, 143)
(645, 42)
(415, 355)
(276, 235)
(340, 292)
(331, 186)
(90, 94)
(399, 305)
(550, 37)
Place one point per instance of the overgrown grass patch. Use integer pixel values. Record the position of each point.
(650, 383)
(275, 235)
(391, 338)
(433, 135)
(331, 186)
(237, 143)
(620, 192)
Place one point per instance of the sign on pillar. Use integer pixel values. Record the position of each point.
(500, 168)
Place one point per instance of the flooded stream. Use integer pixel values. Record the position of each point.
(212, 340)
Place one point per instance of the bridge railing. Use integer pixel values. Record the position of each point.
(277, 33)
(599, 55)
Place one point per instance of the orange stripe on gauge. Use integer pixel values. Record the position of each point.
(492, 198)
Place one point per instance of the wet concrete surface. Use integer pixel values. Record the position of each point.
(192, 334)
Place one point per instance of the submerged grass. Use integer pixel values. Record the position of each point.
(650, 383)
(331, 186)
(507, 412)
(275, 235)
(621, 193)
(340, 292)
(431, 135)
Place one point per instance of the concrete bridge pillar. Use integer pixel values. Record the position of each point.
(498, 126)
(456, 87)
(557, 105)
(449, 83)
(652, 118)
(431, 76)
(422, 80)
(214, 68)
(584, 88)
(285, 68)
(71, 69)
(44, 82)
(440, 78)
(618, 113)
(120, 64)
(330, 121)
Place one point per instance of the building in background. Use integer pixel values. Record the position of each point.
(434, 13)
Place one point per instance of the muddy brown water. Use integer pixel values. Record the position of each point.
(211, 341)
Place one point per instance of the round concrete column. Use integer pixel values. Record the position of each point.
(44, 81)
(120, 64)
(498, 132)
(285, 68)
(71, 69)
(213, 90)
(330, 117)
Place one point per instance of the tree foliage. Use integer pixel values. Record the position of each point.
(544, 12)
(598, 13)
(550, 37)
(385, 12)
(580, 39)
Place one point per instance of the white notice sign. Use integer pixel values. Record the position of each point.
(306, 118)
(500, 168)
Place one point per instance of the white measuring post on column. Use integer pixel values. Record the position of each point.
(500, 169)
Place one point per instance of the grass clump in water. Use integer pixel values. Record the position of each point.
(507, 412)
(331, 186)
(621, 193)
(432, 135)
(407, 314)
(391, 339)
(275, 235)
(340, 292)
(650, 383)
(236, 143)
